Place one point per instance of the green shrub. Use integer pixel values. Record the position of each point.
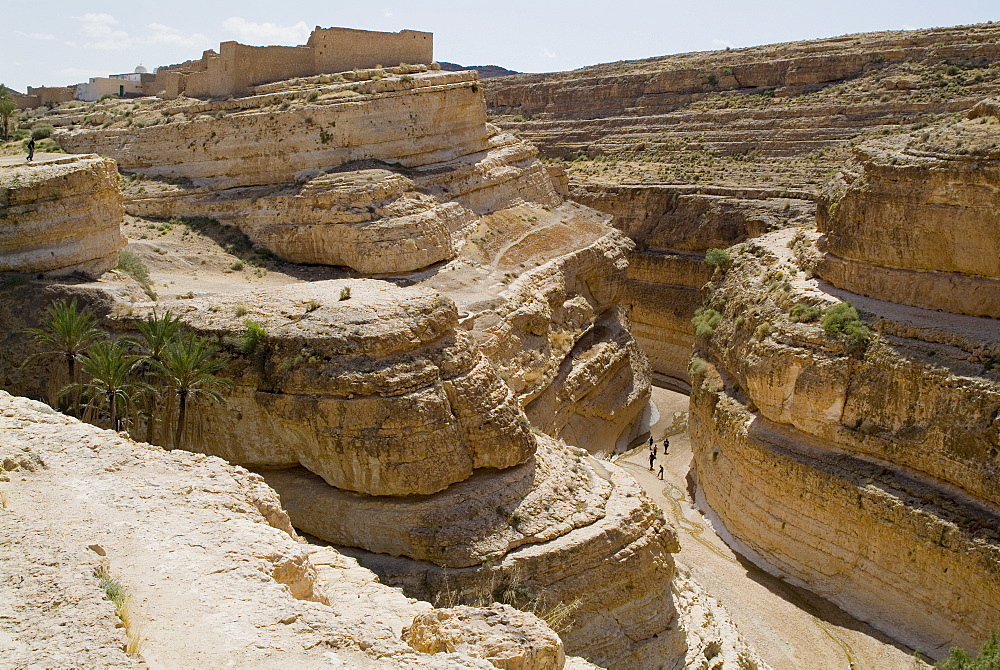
(987, 659)
(836, 318)
(133, 265)
(762, 330)
(345, 293)
(843, 319)
(705, 321)
(718, 257)
(710, 78)
(253, 336)
(803, 313)
(697, 366)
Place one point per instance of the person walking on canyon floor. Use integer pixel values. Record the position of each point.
(31, 149)
(652, 457)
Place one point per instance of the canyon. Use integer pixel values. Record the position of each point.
(436, 345)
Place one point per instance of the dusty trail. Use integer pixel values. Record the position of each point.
(791, 628)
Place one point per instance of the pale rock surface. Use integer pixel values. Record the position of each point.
(472, 521)
(914, 219)
(60, 215)
(211, 582)
(379, 393)
(506, 637)
(869, 478)
(237, 145)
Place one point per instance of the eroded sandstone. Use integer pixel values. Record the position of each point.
(60, 215)
(835, 464)
(914, 221)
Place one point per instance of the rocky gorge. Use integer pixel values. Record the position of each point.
(432, 343)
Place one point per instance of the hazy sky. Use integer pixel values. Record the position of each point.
(67, 42)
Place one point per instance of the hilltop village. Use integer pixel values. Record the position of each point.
(325, 356)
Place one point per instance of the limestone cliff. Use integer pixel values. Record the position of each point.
(378, 393)
(914, 220)
(862, 464)
(672, 228)
(60, 215)
(382, 176)
(204, 568)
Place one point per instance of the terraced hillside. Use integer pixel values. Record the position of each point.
(731, 142)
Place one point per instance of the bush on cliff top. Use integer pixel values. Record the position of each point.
(843, 319)
(705, 321)
(718, 257)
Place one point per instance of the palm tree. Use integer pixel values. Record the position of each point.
(157, 332)
(7, 108)
(189, 367)
(112, 384)
(67, 331)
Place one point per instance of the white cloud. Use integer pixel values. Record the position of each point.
(171, 36)
(725, 44)
(907, 26)
(547, 53)
(266, 33)
(37, 36)
(387, 13)
(100, 30)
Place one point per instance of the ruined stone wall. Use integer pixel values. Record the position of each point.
(53, 94)
(237, 66)
(340, 49)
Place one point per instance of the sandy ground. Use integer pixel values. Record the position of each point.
(790, 627)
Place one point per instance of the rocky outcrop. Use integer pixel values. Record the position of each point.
(211, 573)
(914, 219)
(777, 101)
(319, 181)
(377, 393)
(497, 633)
(861, 465)
(237, 144)
(60, 215)
(672, 228)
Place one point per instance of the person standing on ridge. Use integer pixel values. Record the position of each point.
(31, 149)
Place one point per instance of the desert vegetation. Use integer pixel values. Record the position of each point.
(126, 382)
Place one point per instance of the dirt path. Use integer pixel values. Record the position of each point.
(790, 627)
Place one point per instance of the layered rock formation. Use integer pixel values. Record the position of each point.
(419, 421)
(914, 220)
(861, 464)
(378, 393)
(699, 117)
(673, 227)
(209, 569)
(60, 215)
(434, 164)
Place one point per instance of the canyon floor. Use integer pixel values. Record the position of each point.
(791, 628)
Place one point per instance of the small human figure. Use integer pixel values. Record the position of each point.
(31, 149)
(666, 444)
(655, 450)
(661, 472)
(652, 457)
